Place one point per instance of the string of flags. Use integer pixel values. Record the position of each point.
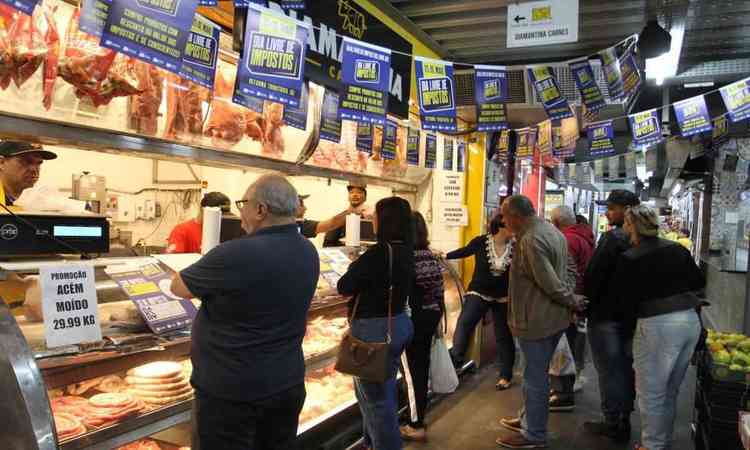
(171, 35)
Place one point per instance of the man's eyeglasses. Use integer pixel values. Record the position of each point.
(240, 204)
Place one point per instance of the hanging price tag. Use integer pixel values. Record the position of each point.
(69, 305)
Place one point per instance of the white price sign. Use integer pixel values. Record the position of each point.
(451, 188)
(542, 23)
(454, 215)
(69, 305)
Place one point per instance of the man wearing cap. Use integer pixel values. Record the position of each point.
(311, 228)
(357, 198)
(20, 164)
(610, 335)
(188, 236)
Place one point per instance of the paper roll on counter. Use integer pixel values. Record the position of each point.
(352, 230)
(211, 228)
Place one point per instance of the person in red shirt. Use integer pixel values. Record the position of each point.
(187, 236)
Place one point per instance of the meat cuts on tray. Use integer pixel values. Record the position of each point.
(68, 426)
(108, 409)
(69, 404)
(143, 444)
(226, 121)
(159, 383)
(144, 107)
(184, 110)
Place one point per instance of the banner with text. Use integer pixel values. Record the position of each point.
(292, 4)
(503, 144)
(273, 61)
(447, 154)
(601, 136)
(437, 101)
(69, 304)
(692, 116)
(525, 142)
(720, 133)
(612, 72)
(736, 98)
(93, 16)
(201, 52)
(364, 137)
(412, 147)
(631, 76)
(460, 156)
(544, 137)
(390, 135)
(296, 116)
(490, 95)
(583, 74)
(330, 124)
(430, 151)
(155, 31)
(25, 6)
(364, 77)
(646, 128)
(549, 93)
(565, 137)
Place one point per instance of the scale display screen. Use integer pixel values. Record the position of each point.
(76, 231)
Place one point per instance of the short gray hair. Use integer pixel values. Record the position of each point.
(520, 205)
(277, 193)
(644, 219)
(564, 215)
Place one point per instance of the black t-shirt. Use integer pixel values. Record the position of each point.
(333, 238)
(368, 278)
(256, 292)
(483, 281)
(308, 228)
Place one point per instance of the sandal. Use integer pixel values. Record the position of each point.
(503, 384)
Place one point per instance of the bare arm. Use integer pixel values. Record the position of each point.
(179, 288)
(337, 221)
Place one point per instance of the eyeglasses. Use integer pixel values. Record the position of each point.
(240, 204)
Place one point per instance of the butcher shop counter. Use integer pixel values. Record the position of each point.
(132, 388)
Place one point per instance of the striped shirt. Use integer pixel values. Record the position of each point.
(429, 281)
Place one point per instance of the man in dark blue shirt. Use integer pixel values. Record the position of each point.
(248, 365)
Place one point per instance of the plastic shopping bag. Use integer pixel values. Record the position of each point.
(443, 378)
(562, 360)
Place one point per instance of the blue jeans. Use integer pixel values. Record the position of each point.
(662, 349)
(612, 351)
(538, 354)
(378, 402)
(472, 312)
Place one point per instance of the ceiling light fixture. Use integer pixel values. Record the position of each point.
(665, 66)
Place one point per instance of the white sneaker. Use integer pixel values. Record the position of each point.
(580, 382)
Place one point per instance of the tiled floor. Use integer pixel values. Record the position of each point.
(468, 419)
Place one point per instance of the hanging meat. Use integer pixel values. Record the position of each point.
(226, 121)
(7, 17)
(273, 143)
(144, 108)
(121, 81)
(31, 38)
(255, 125)
(52, 39)
(184, 107)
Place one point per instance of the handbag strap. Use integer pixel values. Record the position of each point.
(390, 295)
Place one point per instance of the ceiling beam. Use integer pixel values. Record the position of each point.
(458, 20)
(419, 9)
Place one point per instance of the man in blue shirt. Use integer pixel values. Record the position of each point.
(248, 365)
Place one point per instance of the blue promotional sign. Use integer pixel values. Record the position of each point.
(365, 73)
(437, 97)
(490, 95)
(364, 137)
(25, 6)
(525, 142)
(389, 141)
(246, 3)
(273, 60)
(646, 128)
(692, 116)
(447, 154)
(503, 143)
(201, 52)
(154, 31)
(631, 76)
(549, 92)
(460, 155)
(601, 137)
(208, 2)
(544, 137)
(430, 151)
(94, 16)
(330, 124)
(296, 116)
(720, 133)
(292, 4)
(412, 147)
(613, 73)
(591, 95)
(736, 98)
(252, 103)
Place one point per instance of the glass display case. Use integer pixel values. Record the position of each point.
(131, 390)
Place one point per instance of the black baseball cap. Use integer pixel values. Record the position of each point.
(217, 200)
(621, 197)
(16, 148)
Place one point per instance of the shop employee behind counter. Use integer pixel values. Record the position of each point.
(20, 166)
(311, 228)
(187, 237)
(357, 199)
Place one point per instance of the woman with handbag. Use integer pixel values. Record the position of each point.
(427, 307)
(656, 281)
(488, 290)
(380, 283)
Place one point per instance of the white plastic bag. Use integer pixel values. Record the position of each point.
(562, 360)
(443, 378)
